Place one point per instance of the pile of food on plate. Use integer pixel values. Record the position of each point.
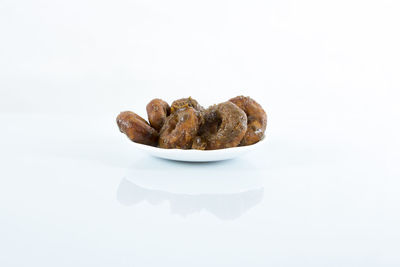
(185, 124)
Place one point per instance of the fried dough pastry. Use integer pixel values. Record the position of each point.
(185, 124)
(225, 125)
(199, 143)
(157, 111)
(179, 129)
(185, 103)
(189, 102)
(256, 119)
(137, 129)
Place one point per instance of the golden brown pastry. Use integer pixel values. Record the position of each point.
(137, 129)
(179, 129)
(256, 119)
(199, 143)
(184, 103)
(157, 111)
(225, 125)
(187, 125)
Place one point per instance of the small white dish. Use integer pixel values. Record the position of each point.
(193, 155)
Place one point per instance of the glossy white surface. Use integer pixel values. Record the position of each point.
(69, 197)
(323, 191)
(193, 155)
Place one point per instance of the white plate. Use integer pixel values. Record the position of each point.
(193, 155)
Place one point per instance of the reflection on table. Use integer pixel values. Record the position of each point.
(226, 206)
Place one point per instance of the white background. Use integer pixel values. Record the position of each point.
(327, 72)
